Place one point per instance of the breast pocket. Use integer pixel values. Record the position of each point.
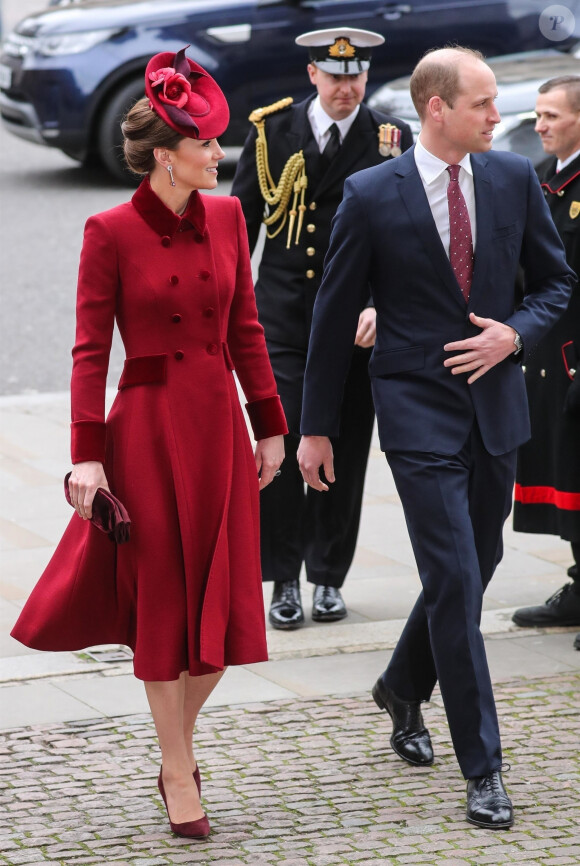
(504, 231)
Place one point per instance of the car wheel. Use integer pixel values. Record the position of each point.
(109, 135)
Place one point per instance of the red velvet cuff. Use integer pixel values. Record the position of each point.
(87, 441)
(267, 417)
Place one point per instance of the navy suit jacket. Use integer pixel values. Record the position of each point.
(384, 236)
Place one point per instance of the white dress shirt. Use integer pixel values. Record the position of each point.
(435, 177)
(321, 122)
(563, 163)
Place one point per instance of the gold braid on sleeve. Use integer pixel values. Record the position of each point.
(293, 180)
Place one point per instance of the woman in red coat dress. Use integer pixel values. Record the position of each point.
(172, 269)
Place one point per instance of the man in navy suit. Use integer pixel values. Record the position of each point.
(438, 234)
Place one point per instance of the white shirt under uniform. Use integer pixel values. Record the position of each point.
(321, 122)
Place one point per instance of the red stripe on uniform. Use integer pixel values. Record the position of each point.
(547, 496)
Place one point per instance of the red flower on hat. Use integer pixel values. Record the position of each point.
(176, 88)
(181, 91)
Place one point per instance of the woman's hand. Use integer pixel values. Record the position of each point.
(83, 483)
(269, 455)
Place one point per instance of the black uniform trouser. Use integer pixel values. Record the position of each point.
(298, 524)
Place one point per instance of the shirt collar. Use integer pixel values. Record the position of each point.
(563, 163)
(430, 167)
(162, 219)
(323, 121)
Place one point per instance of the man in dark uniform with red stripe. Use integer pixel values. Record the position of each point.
(547, 493)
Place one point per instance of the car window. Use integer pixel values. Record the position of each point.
(522, 139)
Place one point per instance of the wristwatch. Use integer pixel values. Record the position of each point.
(518, 343)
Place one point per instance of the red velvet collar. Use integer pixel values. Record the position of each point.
(163, 220)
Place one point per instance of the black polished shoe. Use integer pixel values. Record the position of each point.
(562, 608)
(410, 738)
(327, 604)
(577, 642)
(286, 606)
(488, 805)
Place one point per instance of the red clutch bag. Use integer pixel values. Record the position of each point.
(109, 515)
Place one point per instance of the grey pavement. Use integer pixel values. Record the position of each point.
(299, 770)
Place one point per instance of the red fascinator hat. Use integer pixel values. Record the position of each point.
(185, 96)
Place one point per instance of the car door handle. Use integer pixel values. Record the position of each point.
(394, 11)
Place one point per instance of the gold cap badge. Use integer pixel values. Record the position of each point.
(342, 48)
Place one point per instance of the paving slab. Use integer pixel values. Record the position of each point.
(108, 691)
(40, 703)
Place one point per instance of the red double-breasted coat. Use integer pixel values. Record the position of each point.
(185, 592)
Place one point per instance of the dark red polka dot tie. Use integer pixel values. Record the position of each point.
(460, 241)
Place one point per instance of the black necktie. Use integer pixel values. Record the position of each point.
(332, 145)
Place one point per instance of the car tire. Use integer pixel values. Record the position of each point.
(109, 135)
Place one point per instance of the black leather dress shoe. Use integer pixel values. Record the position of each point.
(286, 606)
(410, 738)
(562, 608)
(488, 805)
(327, 604)
(577, 641)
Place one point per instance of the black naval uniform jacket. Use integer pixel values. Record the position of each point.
(547, 494)
(288, 279)
(304, 527)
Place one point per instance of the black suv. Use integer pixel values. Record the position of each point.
(68, 74)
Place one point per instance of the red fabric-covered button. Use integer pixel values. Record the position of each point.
(208, 312)
(166, 241)
(212, 349)
(179, 355)
(174, 279)
(204, 275)
(176, 318)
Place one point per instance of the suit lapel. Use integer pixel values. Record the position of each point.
(483, 228)
(413, 194)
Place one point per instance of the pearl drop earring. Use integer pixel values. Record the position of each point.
(170, 170)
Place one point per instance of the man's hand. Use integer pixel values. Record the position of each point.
(314, 452)
(483, 352)
(366, 332)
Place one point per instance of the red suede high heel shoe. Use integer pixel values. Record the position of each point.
(199, 829)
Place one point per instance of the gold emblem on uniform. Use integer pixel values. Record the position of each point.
(342, 48)
(389, 140)
(574, 209)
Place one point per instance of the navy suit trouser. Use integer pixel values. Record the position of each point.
(455, 508)
(301, 525)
